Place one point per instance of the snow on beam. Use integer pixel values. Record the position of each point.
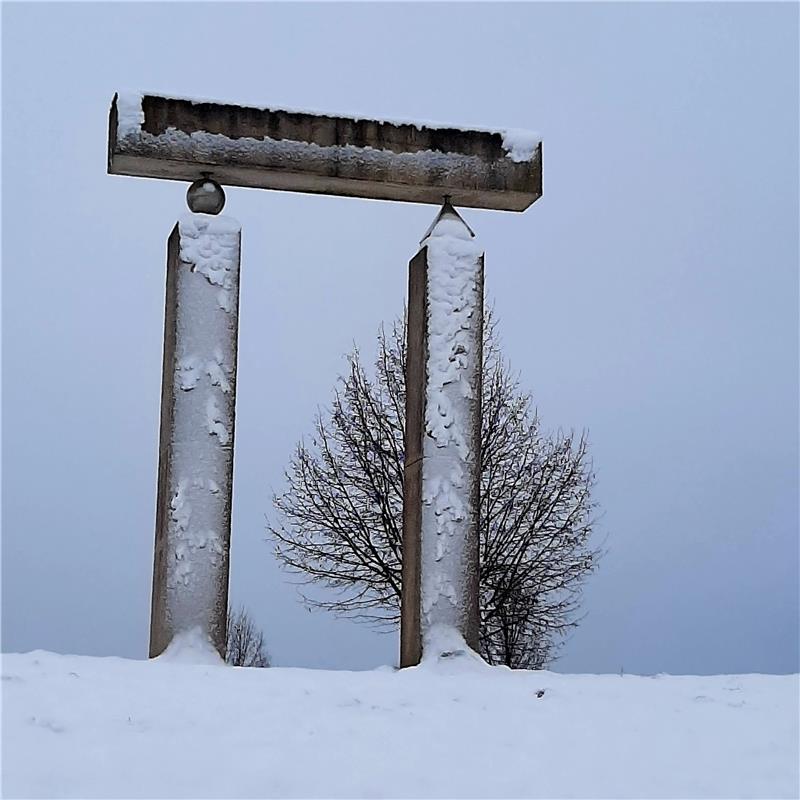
(179, 139)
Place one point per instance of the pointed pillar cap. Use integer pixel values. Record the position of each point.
(447, 212)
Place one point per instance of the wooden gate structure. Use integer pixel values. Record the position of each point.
(211, 144)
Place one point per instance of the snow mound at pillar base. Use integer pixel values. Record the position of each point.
(75, 726)
(192, 647)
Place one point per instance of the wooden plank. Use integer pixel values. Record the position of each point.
(416, 359)
(160, 633)
(178, 139)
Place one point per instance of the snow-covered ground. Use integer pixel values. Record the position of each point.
(75, 726)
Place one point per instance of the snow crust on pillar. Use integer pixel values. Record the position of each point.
(453, 374)
(204, 378)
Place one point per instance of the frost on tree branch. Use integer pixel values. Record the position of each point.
(338, 524)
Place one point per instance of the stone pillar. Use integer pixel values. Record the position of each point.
(439, 607)
(195, 468)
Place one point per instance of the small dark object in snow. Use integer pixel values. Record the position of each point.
(540, 693)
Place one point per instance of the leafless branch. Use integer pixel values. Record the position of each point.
(340, 519)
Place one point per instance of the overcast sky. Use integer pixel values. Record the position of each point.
(650, 296)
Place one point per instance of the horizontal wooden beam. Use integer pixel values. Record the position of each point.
(160, 137)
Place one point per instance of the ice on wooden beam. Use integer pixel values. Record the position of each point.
(180, 139)
(190, 581)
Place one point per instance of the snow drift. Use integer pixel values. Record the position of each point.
(76, 726)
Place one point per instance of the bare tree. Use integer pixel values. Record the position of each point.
(245, 644)
(341, 515)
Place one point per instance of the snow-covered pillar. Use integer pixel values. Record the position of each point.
(195, 469)
(439, 608)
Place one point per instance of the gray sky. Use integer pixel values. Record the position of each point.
(650, 296)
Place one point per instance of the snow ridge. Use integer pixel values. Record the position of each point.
(76, 726)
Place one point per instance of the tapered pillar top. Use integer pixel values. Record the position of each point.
(448, 222)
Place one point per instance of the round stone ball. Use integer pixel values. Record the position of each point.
(205, 197)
